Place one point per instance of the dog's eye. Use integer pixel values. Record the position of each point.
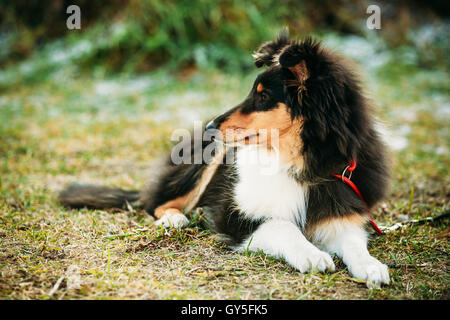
(264, 96)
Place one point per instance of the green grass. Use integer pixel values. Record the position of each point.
(74, 126)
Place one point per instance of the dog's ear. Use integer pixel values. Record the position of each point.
(299, 58)
(296, 64)
(266, 52)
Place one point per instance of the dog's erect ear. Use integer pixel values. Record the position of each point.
(300, 72)
(265, 53)
(291, 60)
(295, 58)
(298, 58)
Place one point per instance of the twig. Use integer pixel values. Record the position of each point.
(124, 235)
(192, 270)
(119, 235)
(400, 225)
(129, 207)
(56, 286)
(406, 265)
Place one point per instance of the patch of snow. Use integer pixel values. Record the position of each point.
(396, 139)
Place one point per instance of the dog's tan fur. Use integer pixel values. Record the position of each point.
(334, 224)
(289, 143)
(189, 200)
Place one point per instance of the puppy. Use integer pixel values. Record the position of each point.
(301, 210)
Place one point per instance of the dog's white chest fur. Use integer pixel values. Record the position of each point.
(264, 188)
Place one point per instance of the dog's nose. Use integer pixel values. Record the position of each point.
(210, 125)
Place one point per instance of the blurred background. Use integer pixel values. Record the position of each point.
(141, 36)
(98, 104)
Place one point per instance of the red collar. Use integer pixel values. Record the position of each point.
(350, 167)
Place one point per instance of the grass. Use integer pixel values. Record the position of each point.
(86, 127)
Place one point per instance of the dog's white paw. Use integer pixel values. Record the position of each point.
(176, 220)
(312, 260)
(370, 270)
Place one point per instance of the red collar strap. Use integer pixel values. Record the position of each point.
(350, 167)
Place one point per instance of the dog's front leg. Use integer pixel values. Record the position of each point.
(347, 238)
(283, 239)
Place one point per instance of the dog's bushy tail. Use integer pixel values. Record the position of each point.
(98, 197)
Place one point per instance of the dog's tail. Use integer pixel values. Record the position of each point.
(98, 197)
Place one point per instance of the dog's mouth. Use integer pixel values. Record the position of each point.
(238, 141)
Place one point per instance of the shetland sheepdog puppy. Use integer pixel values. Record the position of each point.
(278, 193)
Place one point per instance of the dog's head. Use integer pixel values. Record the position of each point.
(309, 95)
